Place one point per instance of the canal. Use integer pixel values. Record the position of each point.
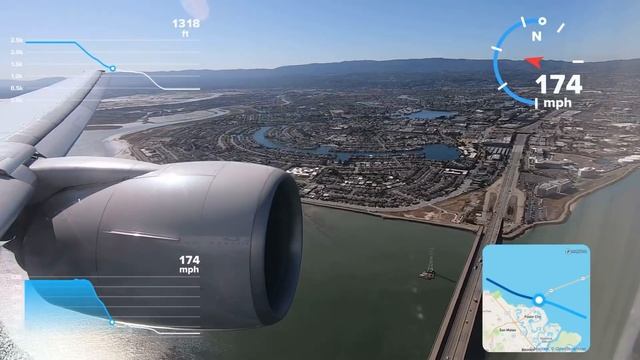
(438, 152)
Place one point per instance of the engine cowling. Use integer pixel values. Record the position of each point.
(216, 245)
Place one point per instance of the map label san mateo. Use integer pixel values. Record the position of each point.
(536, 298)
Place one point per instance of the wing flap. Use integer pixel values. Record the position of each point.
(12, 155)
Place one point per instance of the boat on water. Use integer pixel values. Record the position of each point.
(427, 275)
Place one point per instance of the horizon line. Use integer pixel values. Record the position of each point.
(391, 59)
(351, 61)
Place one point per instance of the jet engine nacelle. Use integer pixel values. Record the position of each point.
(216, 245)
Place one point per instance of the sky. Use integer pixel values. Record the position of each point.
(139, 34)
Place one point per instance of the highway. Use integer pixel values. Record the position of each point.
(454, 334)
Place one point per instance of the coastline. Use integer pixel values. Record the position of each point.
(569, 206)
(378, 213)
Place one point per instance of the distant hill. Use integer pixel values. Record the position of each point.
(410, 66)
(362, 73)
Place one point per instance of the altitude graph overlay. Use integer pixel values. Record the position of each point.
(148, 61)
(536, 298)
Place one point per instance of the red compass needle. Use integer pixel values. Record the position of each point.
(535, 61)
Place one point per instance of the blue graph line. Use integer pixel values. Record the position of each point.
(531, 297)
(104, 307)
(111, 68)
(69, 294)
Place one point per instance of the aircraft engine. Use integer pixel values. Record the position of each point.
(213, 245)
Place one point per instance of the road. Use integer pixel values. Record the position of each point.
(456, 333)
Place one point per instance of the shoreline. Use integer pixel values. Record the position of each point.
(378, 213)
(568, 207)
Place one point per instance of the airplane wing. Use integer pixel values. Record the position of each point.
(45, 122)
(52, 118)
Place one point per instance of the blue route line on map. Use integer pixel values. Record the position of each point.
(561, 307)
(509, 290)
(565, 309)
(111, 68)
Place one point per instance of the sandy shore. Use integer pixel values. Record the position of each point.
(119, 147)
(379, 213)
